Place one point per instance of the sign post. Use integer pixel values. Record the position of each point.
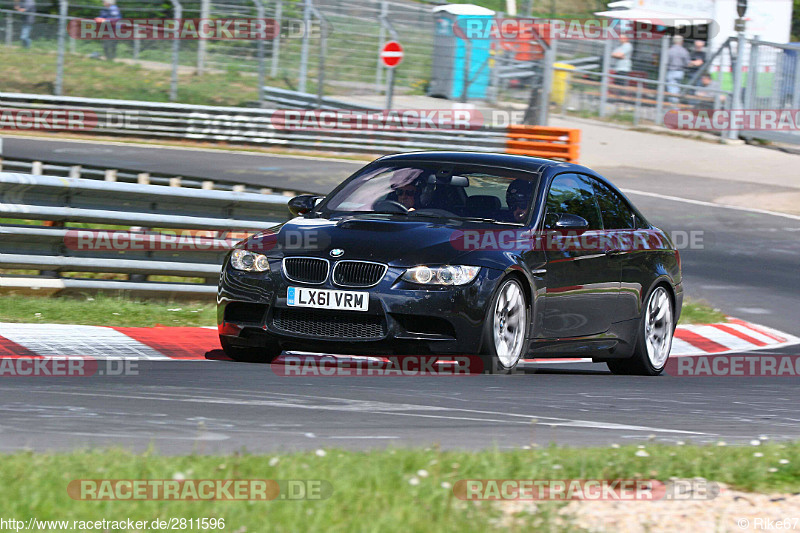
(391, 55)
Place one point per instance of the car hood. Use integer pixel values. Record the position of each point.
(388, 239)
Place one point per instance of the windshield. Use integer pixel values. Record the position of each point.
(437, 190)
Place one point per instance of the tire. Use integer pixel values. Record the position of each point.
(505, 330)
(654, 338)
(250, 354)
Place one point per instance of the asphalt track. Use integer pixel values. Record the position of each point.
(747, 266)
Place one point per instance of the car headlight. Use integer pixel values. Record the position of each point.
(249, 261)
(444, 275)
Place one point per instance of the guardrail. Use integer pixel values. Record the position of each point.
(128, 175)
(128, 245)
(265, 127)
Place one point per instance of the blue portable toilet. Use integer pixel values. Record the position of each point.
(449, 67)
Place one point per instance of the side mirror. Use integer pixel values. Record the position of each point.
(302, 204)
(570, 221)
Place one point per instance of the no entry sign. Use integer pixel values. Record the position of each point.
(392, 54)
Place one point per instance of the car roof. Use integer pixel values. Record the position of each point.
(536, 165)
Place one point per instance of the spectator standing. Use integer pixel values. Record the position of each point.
(677, 61)
(697, 58)
(622, 54)
(29, 8)
(109, 13)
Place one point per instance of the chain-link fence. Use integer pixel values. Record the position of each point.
(338, 42)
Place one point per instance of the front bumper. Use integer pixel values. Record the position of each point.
(402, 318)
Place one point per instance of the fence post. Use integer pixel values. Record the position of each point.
(301, 82)
(752, 75)
(205, 10)
(796, 80)
(63, 7)
(662, 80)
(136, 42)
(637, 106)
(381, 42)
(9, 28)
(323, 43)
(547, 81)
(276, 41)
(176, 48)
(736, 100)
(604, 77)
(261, 67)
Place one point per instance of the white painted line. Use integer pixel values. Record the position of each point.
(711, 204)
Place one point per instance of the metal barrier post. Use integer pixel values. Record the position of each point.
(390, 82)
(637, 106)
(604, 77)
(176, 47)
(58, 88)
(276, 41)
(796, 91)
(662, 80)
(547, 81)
(323, 41)
(205, 9)
(381, 42)
(752, 75)
(136, 42)
(9, 28)
(736, 99)
(301, 82)
(261, 67)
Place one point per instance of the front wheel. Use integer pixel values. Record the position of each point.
(654, 341)
(250, 354)
(505, 329)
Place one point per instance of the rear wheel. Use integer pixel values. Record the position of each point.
(505, 329)
(654, 340)
(250, 354)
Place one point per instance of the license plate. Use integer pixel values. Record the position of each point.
(325, 299)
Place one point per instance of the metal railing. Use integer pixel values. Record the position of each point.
(38, 167)
(126, 213)
(129, 118)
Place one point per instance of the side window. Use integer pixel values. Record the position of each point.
(573, 194)
(615, 210)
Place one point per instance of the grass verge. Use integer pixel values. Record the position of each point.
(105, 311)
(695, 312)
(388, 490)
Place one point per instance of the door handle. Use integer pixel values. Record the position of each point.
(614, 251)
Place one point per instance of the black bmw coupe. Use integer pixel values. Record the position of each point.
(452, 253)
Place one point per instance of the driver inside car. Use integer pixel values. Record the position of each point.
(518, 197)
(407, 195)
